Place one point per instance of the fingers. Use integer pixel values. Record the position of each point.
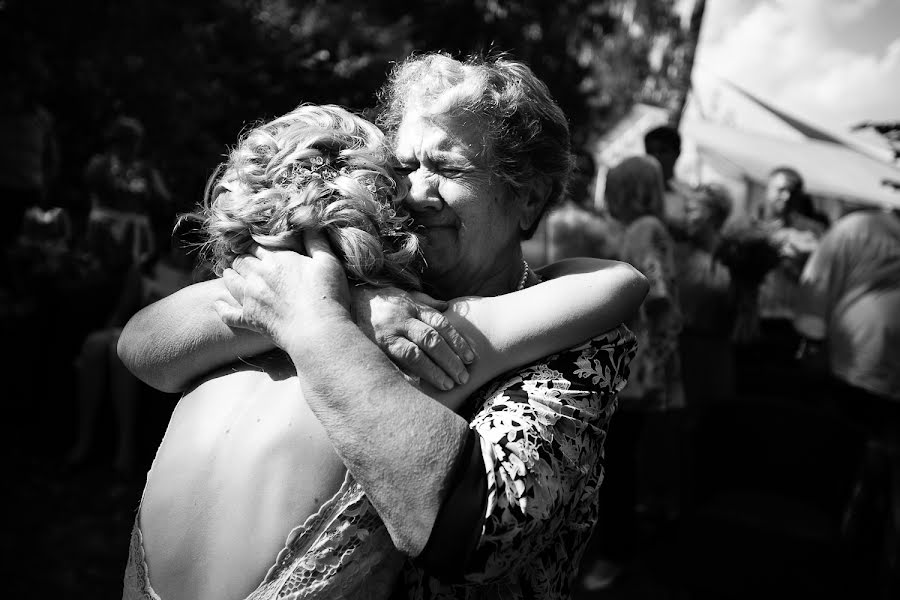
(234, 283)
(437, 350)
(413, 361)
(457, 342)
(231, 315)
(316, 245)
(231, 310)
(423, 298)
(257, 251)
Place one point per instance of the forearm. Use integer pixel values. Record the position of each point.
(173, 341)
(592, 295)
(397, 442)
(580, 299)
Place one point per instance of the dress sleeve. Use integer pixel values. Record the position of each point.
(540, 434)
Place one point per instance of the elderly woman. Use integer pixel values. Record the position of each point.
(500, 496)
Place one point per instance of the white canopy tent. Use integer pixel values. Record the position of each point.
(830, 170)
(731, 133)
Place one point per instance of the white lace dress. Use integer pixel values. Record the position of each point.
(342, 551)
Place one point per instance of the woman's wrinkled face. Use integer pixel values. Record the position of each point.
(469, 221)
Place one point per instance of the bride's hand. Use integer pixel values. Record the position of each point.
(411, 331)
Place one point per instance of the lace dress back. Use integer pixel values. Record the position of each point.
(341, 551)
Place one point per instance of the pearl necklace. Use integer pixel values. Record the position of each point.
(525, 272)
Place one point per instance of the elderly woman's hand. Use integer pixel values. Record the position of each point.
(281, 292)
(411, 331)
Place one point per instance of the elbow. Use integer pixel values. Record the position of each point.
(409, 543)
(126, 352)
(132, 351)
(633, 288)
(634, 282)
(410, 536)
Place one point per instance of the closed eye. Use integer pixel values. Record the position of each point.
(451, 172)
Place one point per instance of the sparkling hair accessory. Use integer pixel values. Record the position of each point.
(322, 168)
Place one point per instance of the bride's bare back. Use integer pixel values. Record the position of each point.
(242, 463)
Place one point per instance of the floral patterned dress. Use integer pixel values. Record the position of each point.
(542, 430)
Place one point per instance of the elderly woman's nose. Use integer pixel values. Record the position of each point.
(423, 192)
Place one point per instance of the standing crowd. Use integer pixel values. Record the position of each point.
(774, 302)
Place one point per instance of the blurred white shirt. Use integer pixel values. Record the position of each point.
(850, 295)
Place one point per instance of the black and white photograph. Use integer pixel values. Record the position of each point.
(451, 300)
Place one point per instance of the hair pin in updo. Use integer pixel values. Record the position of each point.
(323, 169)
(318, 167)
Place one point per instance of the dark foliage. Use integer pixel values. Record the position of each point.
(196, 73)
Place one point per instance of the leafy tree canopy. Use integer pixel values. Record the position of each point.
(197, 72)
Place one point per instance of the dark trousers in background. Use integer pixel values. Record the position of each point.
(15, 202)
(767, 367)
(642, 488)
(873, 517)
(615, 535)
(707, 368)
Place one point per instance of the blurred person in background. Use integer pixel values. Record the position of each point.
(29, 154)
(128, 197)
(643, 465)
(848, 313)
(577, 228)
(664, 144)
(793, 225)
(634, 197)
(99, 372)
(41, 258)
(707, 298)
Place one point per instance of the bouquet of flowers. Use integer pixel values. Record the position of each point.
(749, 252)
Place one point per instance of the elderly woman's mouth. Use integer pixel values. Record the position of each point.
(427, 228)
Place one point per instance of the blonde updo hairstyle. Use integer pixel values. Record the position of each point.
(317, 168)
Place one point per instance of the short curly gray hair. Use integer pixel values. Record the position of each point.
(315, 168)
(526, 133)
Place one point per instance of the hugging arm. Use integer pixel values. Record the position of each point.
(180, 337)
(579, 299)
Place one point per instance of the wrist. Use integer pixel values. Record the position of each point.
(316, 328)
(337, 309)
(359, 298)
